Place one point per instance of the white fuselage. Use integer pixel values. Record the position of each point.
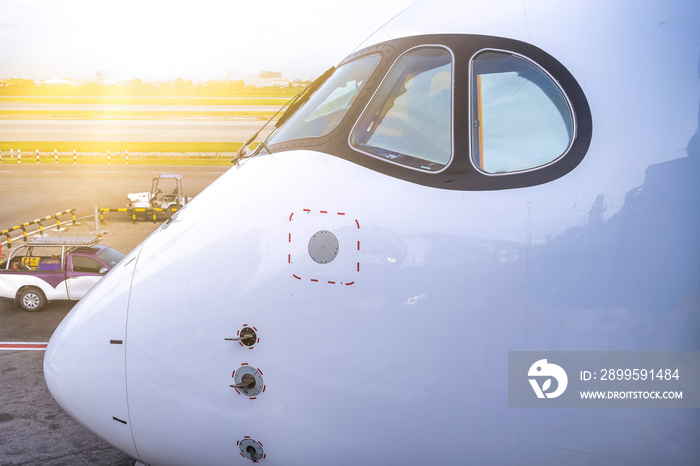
(396, 351)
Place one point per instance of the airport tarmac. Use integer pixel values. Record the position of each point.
(31, 191)
(34, 429)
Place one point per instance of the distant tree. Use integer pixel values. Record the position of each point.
(181, 83)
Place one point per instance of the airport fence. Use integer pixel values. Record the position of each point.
(125, 157)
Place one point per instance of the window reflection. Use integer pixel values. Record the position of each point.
(409, 121)
(520, 118)
(329, 104)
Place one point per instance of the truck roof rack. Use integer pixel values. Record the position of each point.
(65, 240)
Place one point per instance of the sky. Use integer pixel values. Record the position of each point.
(198, 40)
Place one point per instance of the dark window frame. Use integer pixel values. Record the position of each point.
(460, 174)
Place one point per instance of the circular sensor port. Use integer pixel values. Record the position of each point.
(323, 247)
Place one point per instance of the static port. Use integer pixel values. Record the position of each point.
(248, 336)
(248, 381)
(251, 449)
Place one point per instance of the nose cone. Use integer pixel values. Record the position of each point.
(84, 365)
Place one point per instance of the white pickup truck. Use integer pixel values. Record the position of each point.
(54, 268)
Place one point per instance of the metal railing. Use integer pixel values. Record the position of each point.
(133, 211)
(38, 221)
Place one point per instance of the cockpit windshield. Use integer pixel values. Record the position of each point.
(409, 121)
(328, 105)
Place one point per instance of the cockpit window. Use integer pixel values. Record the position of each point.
(520, 118)
(409, 120)
(450, 111)
(328, 105)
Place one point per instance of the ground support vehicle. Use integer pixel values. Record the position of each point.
(156, 198)
(54, 268)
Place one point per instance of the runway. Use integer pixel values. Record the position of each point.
(158, 109)
(175, 130)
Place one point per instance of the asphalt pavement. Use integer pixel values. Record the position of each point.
(34, 430)
(31, 191)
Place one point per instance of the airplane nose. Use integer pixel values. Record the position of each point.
(84, 365)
